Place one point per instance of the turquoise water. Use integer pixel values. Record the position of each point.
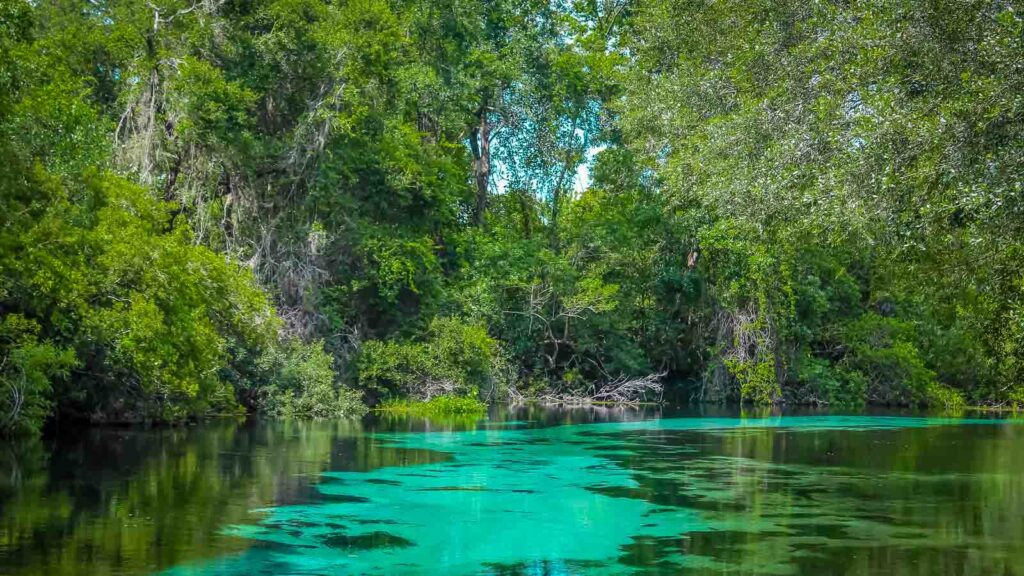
(527, 492)
(580, 498)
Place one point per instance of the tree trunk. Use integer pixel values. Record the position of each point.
(480, 143)
(557, 192)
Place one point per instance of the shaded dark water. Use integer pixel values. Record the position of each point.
(531, 491)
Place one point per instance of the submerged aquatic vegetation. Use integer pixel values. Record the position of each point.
(704, 495)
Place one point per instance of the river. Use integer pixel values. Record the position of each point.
(525, 491)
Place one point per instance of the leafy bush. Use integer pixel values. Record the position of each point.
(94, 265)
(939, 395)
(454, 358)
(883, 351)
(1016, 398)
(305, 385)
(826, 384)
(756, 379)
(26, 367)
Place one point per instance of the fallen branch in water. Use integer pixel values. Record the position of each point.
(627, 390)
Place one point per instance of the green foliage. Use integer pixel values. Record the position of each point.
(821, 383)
(26, 368)
(784, 202)
(153, 319)
(443, 405)
(111, 310)
(212, 108)
(304, 384)
(1017, 399)
(757, 380)
(455, 358)
(840, 168)
(882, 350)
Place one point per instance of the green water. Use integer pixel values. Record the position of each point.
(524, 492)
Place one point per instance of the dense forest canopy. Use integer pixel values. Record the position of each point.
(302, 206)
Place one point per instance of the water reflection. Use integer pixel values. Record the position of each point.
(134, 501)
(527, 491)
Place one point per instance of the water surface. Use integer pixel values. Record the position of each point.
(528, 491)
